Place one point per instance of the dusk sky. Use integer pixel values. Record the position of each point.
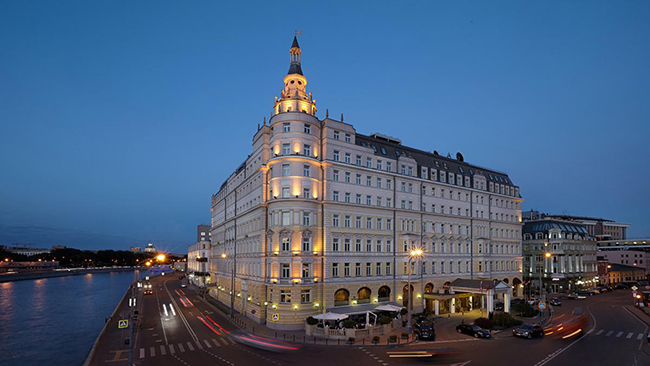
(120, 119)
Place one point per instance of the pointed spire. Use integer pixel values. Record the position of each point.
(295, 42)
(327, 113)
(294, 52)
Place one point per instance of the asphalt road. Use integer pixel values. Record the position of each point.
(194, 333)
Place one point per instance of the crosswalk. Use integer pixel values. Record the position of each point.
(174, 348)
(619, 334)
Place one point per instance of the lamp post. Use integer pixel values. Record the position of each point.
(415, 253)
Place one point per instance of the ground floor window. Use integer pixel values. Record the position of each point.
(285, 296)
(305, 296)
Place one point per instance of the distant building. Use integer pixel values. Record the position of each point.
(58, 247)
(572, 255)
(203, 233)
(634, 258)
(601, 229)
(180, 266)
(617, 273)
(6, 266)
(198, 255)
(135, 249)
(150, 248)
(26, 249)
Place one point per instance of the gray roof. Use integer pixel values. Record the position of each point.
(295, 42)
(392, 150)
(544, 225)
(623, 267)
(295, 68)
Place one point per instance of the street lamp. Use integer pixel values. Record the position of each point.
(160, 257)
(415, 253)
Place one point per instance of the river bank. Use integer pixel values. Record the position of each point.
(35, 275)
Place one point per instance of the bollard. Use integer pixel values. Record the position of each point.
(326, 341)
(253, 329)
(284, 336)
(363, 342)
(338, 342)
(276, 335)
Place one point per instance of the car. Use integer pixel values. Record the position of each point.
(517, 301)
(621, 286)
(528, 331)
(569, 296)
(424, 331)
(584, 294)
(147, 289)
(595, 291)
(499, 306)
(473, 330)
(183, 285)
(555, 302)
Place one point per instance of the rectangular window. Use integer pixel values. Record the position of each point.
(379, 246)
(335, 220)
(368, 245)
(305, 219)
(285, 296)
(346, 269)
(335, 175)
(379, 201)
(347, 197)
(347, 158)
(389, 246)
(358, 179)
(368, 162)
(368, 222)
(306, 150)
(306, 170)
(359, 160)
(335, 244)
(357, 246)
(286, 244)
(306, 193)
(388, 268)
(286, 127)
(346, 244)
(335, 269)
(358, 199)
(388, 166)
(378, 269)
(347, 177)
(389, 202)
(379, 224)
(388, 184)
(368, 180)
(286, 169)
(286, 149)
(347, 137)
(286, 218)
(378, 182)
(368, 269)
(379, 164)
(305, 296)
(335, 196)
(307, 129)
(336, 155)
(306, 244)
(346, 221)
(286, 271)
(403, 170)
(336, 135)
(368, 200)
(389, 224)
(357, 269)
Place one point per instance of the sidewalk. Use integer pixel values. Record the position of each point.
(297, 336)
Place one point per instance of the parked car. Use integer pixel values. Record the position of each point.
(584, 293)
(517, 301)
(555, 302)
(621, 286)
(473, 330)
(569, 296)
(499, 306)
(595, 291)
(424, 331)
(528, 331)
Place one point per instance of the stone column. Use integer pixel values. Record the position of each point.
(506, 300)
(436, 307)
(471, 304)
(490, 301)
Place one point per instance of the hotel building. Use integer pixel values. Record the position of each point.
(322, 218)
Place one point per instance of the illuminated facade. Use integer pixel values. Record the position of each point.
(320, 216)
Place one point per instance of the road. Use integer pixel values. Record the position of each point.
(180, 328)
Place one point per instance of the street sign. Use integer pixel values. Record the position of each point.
(123, 323)
(542, 305)
(275, 317)
(634, 288)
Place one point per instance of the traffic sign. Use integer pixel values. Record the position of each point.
(542, 305)
(634, 288)
(123, 323)
(275, 317)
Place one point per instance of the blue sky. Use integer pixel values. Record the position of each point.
(118, 120)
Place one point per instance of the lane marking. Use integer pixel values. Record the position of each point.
(180, 346)
(141, 352)
(638, 338)
(645, 326)
(163, 351)
(207, 343)
(215, 342)
(198, 344)
(183, 319)
(232, 341)
(600, 332)
(152, 351)
(223, 341)
(619, 334)
(190, 347)
(629, 335)
(609, 333)
(171, 349)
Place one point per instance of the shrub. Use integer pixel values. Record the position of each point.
(384, 320)
(312, 321)
(349, 323)
(375, 339)
(524, 309)
(392, 338)
(351, 340)
(505, 320)
(484, 323)
(405, 335)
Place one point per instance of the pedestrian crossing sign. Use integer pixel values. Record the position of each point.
(275, 317)
(123, 323)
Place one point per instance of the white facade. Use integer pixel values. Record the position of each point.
(320, 216)
(198, 263)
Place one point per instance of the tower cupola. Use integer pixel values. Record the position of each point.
(294, 97)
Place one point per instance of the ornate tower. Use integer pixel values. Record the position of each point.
(294, 96)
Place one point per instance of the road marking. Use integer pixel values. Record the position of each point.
(207, 343)
(199, 345)
(190, 347)
(619, 334)
(141, 352)
(152, 351)
(215, 342)
(180, 346)
(609, 333)
(600, 332)
(171, 349)
(638, 338)
(629, 335)
(223, 341)
(640, 321)
(117, 357)
(163, 351)
(232, 341)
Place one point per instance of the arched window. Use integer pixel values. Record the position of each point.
(384, 293)
(363, 295)
(428, 288)
(342, 297)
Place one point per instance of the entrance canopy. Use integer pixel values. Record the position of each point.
(359, 309)
(388, 307)
(330, 316)
(478, 286)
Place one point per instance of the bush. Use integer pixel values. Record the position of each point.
(405, 335)
(351, 340)
(384, 320)
(484, 323)
(349, 323)
(524, 309)
(392, 338)
(312, 321)
(375, 339)
(505, 320)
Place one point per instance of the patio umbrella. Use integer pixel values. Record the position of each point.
(388, 307)
(330, 316)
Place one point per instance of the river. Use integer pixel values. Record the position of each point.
(55, 321)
